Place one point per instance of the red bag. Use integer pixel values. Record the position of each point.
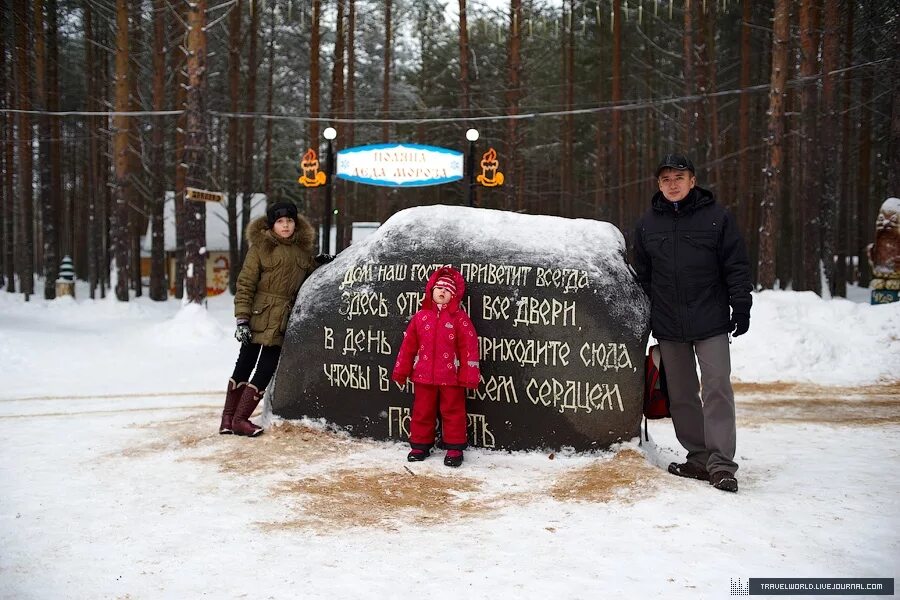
(656, 394)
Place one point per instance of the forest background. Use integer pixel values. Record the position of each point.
(789, 109)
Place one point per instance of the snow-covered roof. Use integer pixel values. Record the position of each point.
(216, 222)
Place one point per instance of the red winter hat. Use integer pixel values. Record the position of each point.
(446, 282)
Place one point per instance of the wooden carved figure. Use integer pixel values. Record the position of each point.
(884, 253)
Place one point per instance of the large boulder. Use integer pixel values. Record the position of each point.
(562, 325)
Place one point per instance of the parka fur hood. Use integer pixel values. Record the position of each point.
(258, 234)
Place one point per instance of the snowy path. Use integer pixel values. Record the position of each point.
(52, 406)
(137, 497)
(114, 484)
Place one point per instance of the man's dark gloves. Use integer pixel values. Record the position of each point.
(740, 323)
(322, 259)
(242, 333)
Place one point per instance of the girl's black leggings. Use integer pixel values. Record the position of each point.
(265, 363)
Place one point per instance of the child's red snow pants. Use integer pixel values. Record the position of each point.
(452, 402)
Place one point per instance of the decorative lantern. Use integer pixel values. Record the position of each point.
(310, 175)
(490, 176)
(65, 282)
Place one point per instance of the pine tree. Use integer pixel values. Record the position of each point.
(773, 183)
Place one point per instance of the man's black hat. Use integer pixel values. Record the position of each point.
(280, 209)
(679, 162)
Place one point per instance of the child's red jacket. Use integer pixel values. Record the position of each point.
(442, 343)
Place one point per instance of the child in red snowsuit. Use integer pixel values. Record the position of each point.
(444, 345)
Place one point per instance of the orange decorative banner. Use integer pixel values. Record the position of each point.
(310, 176)
(490, 174)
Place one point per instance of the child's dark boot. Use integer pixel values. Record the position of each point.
(454, 458)
(417, 455)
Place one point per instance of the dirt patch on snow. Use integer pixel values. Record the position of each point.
(618, 478)
(194, 430)
(383, 496)
(389, 498)
(386, 493)
(762, 403)
(282, 447)
(380, 498)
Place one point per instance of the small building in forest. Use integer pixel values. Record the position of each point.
(218, 260)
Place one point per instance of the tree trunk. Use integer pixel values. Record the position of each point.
(49, 216)
(794, 159)
(121, 124)
(350, 95)
(39, 105)
(105, 160)
(616, 137)
(893, 160)
(629, 173)
(337, 109)
(383, 210)
(76, 224)
(567, 48)
(465, 100)
(314, 75)
(135, 195)
(352, 203)
(894, 144)
(810, 182)
(179, 67)
(690, 108)
(235, 251)
(700, 138)
(315, 100)
(601, 131)
(866, 209)
(23, 218)
(270, 96)
(773, 182)
(337, 71)
(250, 108)
(651, 132)
(194, 154)
(56, 192)
(74, 202)
(830, 57)
(91, 164)
(844, 272)
(158, 288)
(712, 104)
(7, 276)
(514, 198)
(744, 192)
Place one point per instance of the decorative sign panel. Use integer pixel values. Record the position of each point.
(199, 195)
(400, 165)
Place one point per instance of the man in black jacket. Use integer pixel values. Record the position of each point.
(692, 262)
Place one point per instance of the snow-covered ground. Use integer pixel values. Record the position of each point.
(114, 484)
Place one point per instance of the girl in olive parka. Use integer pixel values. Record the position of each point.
(279, 260)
